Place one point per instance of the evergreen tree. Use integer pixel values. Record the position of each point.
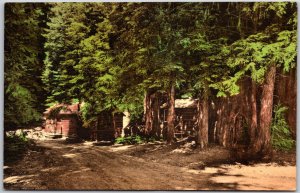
(114, 56)
(79, 61)
(271, 44)
(24, 91)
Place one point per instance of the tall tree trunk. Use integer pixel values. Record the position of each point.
(113, 124)
(262, 143)
(288, 98)
(147, 112)
(253, 102)
(202, 138)
(171, 114)
(96, 133)
(155, 129)
(292, 102)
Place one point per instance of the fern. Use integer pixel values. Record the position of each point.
(280, 132)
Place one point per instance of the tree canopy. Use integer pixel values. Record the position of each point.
(111, 55)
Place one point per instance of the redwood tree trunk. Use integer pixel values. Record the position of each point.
(292, 101)
(171, 114)
(155, 129)
(202, 138)
(253, 102)
(147, 112)
(262, 143)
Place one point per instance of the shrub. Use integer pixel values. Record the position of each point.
(280, 132)
(136, 139)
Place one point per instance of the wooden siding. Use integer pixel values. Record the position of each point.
(66, 125)
(187, 115)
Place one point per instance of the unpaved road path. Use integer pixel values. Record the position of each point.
(53, 165)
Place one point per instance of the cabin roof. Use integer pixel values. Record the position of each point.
(183, 103)
(68, 110)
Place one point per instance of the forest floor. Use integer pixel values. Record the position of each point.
(56, 165)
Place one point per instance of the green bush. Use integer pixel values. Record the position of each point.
(280, 132)
(21, 137)
(129, 140)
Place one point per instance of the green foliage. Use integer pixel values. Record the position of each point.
(18, 137)
(254, 55)
(23, 91)
(268, 41)
(55, 111)
(281, 138)
(88, 114)
(109, 55)
(78, 60)
(110, 59)
(129, 140)
(135, 139)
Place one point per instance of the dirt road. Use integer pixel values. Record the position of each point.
(53, 165)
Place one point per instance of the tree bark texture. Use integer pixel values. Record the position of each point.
(171, 114)
(147, 112)
(253, 102)
(151, 114)
(248, 115)
(262, 143)
(231, 117)
(155, 129)
(202, 138)
(286, 94)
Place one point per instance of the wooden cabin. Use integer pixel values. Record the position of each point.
(107, 126)
(185, 110)
(62, 120)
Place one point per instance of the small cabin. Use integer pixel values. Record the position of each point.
(107, 126)
(185, 111)
(62, 120)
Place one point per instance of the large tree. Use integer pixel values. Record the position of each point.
(78, 55)
(267, 44)
(23, 89)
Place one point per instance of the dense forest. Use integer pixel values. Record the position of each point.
(237, 59)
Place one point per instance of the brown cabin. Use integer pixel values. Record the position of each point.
(62, 120)
(108, 126)
(185, 110)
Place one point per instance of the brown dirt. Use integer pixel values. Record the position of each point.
(55, 165)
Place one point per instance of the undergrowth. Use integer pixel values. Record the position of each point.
(280, 132)
(135, 139)
(15, 146)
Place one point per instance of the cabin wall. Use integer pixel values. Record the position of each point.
(108, 126)
(50, 126)
(118, 117)
(104, 128)
(118, 126)
(187, 114)
(66, 125)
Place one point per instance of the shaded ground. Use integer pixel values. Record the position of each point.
(55, 165)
